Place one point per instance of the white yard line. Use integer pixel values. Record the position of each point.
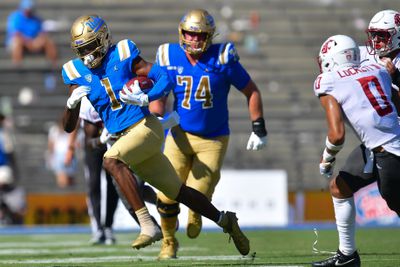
(120, 259)
(28, 250)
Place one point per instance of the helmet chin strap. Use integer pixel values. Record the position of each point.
(88, 59)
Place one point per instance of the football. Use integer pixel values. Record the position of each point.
(145, 83)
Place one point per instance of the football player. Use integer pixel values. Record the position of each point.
(362, 94)
(97, 141)
(383, 47)
(203, 73)
(99, 73)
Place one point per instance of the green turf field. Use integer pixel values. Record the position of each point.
(377, 247)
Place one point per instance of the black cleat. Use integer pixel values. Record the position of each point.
(230, 225)
(339, 259)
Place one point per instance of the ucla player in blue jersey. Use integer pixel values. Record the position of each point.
(204, 73)
(99, 73)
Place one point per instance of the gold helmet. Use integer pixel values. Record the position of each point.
(90, 39)
(199, 21)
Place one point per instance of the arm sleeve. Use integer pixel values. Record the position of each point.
(11, 24)
(162, 84)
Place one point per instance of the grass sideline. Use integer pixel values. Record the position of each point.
(377, 247)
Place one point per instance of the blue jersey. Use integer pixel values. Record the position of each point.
(201, 91)
(29, 27)
(106, 81)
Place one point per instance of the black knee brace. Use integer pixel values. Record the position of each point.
(167, 210)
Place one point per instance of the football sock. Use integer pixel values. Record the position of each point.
(147, 225)
(345, 222)
(198, 202)
(168, 226)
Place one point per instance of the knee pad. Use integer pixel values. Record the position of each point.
(167, 210)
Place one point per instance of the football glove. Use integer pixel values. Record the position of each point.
(77, 95)
(105, 136)
(327, 163)
(326, 168)
(172, 120)
(256, 143)
(134, 95)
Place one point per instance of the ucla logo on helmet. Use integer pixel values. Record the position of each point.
(194, 28)
(79, 42)
(95, 23)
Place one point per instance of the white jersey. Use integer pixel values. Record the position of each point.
(366, 59)
(87, 112)
(364, 93)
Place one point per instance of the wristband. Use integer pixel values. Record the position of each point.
(326, 156)
(333, 147)
(259, 127)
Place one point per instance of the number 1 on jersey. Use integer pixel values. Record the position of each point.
(114, 102)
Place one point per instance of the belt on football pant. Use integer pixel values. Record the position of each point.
(119, 134)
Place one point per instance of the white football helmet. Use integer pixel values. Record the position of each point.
(338, 51)
(384, 33)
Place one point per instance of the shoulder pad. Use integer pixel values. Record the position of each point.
(162, 57)
(126, 49)
(323, 84)
(363, 51)
(69, 71)
(227, 54)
